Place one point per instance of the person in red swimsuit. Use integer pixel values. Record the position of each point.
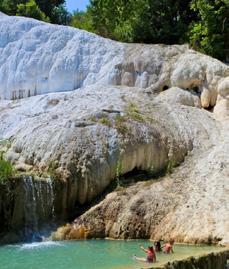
(151, 256)
(168, 247)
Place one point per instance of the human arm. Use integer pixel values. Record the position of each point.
(142, 248)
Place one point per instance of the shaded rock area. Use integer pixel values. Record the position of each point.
(216, 260)
(78, 111)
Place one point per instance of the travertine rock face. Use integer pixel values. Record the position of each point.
(37, 58)
(190, 205)
(53, 58)
(221, 109)
(86, 109)
(82, 137)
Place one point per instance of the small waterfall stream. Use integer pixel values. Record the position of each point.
(27, 208)
(39, 204)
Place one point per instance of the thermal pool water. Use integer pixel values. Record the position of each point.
(93, 254)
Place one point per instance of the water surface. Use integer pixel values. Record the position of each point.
(93, 254)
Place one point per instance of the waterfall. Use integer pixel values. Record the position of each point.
(38, 205)
(29, 208)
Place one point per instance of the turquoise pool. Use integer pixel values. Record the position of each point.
(93, 254)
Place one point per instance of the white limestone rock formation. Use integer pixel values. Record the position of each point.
(37, 58)
(190, 204)
(51, 58)
(221, 110)
(81, 108)
(84, 134)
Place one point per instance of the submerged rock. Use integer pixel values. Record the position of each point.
(83, 110)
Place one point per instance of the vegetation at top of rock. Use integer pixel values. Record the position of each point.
(6, 169)
(142, 20)
(133, 112)
(201, 23)
(82, 20)
(53, 11)
(210, 32)
(31, 9)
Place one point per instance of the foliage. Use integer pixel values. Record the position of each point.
(30, 9)
(118, 175)
(48, 7)
(112, 18)
(82, 20)
(60, 15)
(120, 124)
(6, 169)
(163, 21)
(141, 20)
(133, 112)
(210, 33)
(52, 169)
(9, 6)
(169, 167)
(203, 23)
(105, 121)
(53, 11)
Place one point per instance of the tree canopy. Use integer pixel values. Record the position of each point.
(210, 32)
(45, 10)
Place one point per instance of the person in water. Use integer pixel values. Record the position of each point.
(151, 256)
(168, 247)
(157, 246)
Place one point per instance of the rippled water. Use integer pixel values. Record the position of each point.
(93, 254)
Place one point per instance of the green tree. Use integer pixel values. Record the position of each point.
(30, 9)
(47, 10)
(163, 21)
(150, 21)
(47, 6)
(10, 6)
(82, 20)
(60, 15)
(112, 18)
(210, 32)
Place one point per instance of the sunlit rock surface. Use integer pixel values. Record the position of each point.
(37, 58)
(81, 109)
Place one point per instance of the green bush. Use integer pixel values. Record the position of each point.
(209, 33)
(120, 125)
(105, 121)
(31, 9)
(119, 172)
(6, 169)
(133, 112)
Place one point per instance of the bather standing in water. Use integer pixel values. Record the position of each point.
(151, 256)
(168, 247)
(157, 246)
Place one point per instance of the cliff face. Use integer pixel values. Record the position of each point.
(136, 107)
